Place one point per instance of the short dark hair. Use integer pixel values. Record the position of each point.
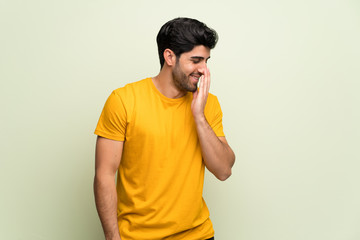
(182, 35)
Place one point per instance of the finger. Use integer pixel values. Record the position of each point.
(195, 95)
(202, 85)
(202, 81)
(206, 82)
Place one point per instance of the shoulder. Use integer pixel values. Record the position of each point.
(127, 96)
(212, 107)
(132, 89)
(212, 101)
(212, 97)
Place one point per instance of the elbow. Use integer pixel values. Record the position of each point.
(222, 170)
(225, 175)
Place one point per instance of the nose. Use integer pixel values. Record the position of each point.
(202, 67)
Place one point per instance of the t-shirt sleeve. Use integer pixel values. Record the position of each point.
(214, 115)
(113, 119)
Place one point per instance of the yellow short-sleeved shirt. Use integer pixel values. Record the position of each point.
(161, 174)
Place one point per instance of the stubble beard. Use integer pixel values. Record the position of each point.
(181, 81)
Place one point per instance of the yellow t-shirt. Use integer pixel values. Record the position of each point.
(161, 174)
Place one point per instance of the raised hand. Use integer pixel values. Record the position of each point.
(200, 96)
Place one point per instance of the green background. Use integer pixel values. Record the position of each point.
(287, 74)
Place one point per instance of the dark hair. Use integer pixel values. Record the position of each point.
(182, 35)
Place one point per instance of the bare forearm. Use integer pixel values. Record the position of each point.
(218, 156)
(106, 204)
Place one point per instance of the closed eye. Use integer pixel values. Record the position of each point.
(196, 59)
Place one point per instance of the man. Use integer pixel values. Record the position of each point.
(160, 133)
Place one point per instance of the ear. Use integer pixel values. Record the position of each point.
(170, 57)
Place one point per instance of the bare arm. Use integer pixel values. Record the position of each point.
(107, 160)
(217, 154)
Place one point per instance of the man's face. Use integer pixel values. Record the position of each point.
(189, 68)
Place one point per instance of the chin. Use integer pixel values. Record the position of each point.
(193, 89)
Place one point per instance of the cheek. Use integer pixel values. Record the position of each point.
(188, 67)
(189, 70)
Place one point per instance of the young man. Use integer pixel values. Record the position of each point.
(160, 133)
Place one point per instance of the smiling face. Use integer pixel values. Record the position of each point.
(189, 67)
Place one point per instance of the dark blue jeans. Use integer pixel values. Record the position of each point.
(211, 238)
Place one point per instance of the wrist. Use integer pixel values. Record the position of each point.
(117, 237)
(200, 119)
(113, 235)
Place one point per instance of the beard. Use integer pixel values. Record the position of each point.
(181, 81)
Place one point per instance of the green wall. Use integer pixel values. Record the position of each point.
(286, 74)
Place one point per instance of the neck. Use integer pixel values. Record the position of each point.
(164, 83)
